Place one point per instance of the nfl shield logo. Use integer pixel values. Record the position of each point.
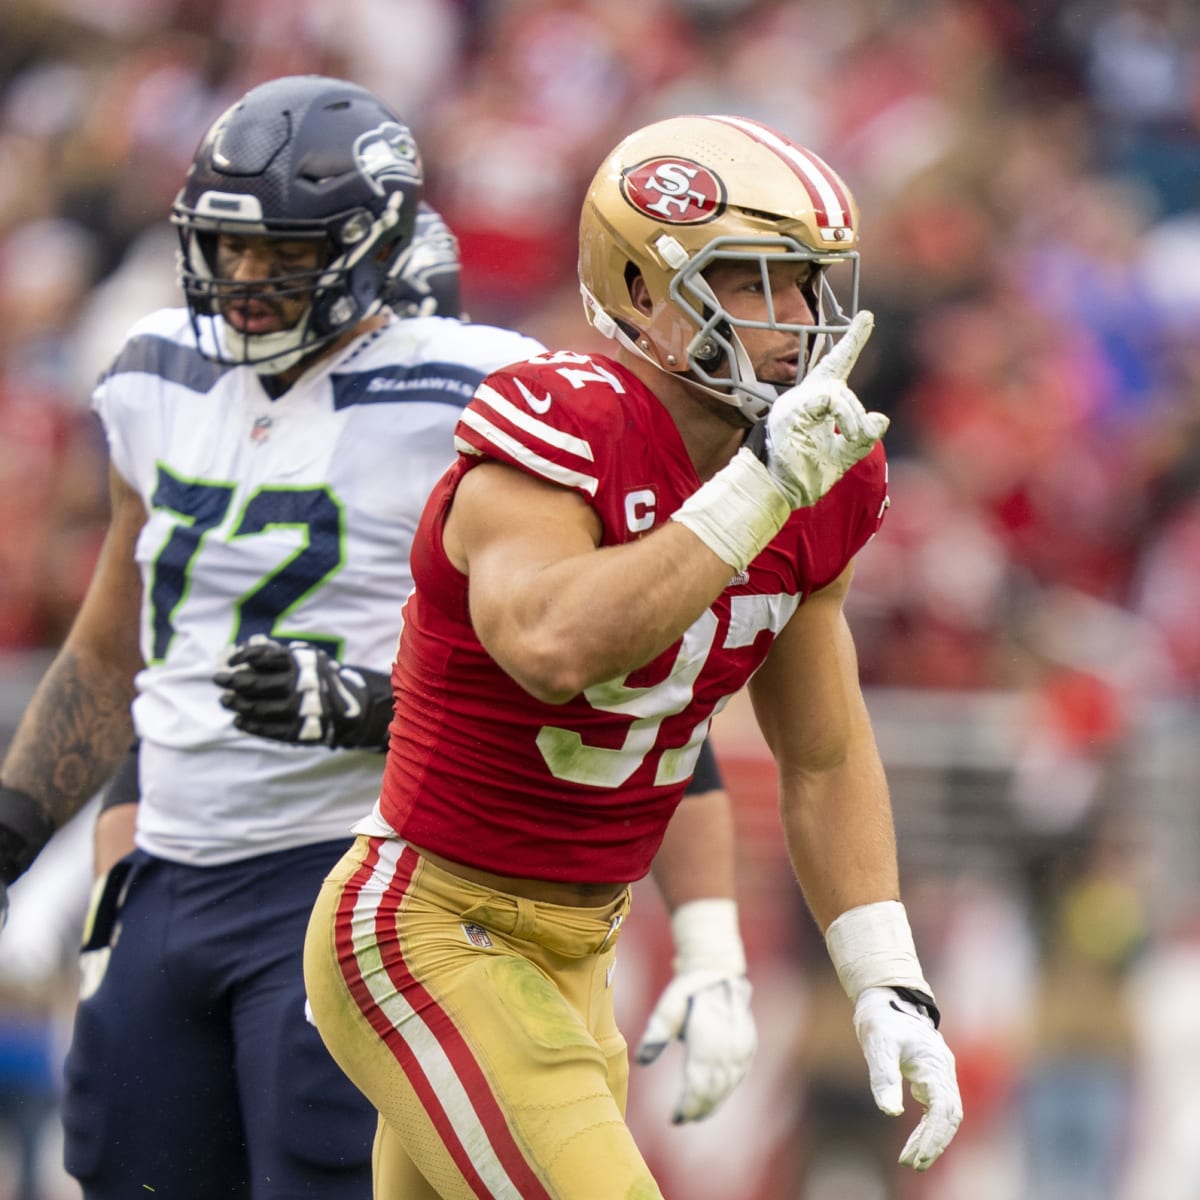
(261, 429)
(477, 936)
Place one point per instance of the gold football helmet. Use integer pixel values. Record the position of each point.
(684, 193)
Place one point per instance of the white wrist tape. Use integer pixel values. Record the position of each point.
(872, 946)
(706, 937)
(737, 512)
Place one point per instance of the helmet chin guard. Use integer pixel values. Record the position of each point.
(268, 353)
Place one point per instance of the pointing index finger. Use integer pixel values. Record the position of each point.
(837, 363)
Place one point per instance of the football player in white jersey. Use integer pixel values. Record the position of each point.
(272, 446)
(269, 692)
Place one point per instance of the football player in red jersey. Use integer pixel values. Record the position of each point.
(621, 545)
(291, 692)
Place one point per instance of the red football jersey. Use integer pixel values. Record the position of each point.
(483, 773)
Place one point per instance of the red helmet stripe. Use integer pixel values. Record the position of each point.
(828, 196)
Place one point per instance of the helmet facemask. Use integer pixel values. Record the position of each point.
(693, 333)
(358, 261)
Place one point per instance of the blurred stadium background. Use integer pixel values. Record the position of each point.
(1028, 619)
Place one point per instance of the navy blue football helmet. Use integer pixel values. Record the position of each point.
(430, 282)
(302, 157)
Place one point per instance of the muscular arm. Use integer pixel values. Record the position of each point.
(78, 724)
(554, 611)
(837, 816)
(696, 860)
(837, 822)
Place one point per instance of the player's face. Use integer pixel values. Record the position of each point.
(271, 292)
(775, 354)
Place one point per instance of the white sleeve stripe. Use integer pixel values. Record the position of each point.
(519, 451)
(547, 433)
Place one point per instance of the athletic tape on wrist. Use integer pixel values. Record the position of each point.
(706, 937)
(872, 946)
(737, 512)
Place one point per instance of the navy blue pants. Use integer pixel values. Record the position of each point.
(192, 1072)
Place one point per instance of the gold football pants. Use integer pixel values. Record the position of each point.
(480, 1025)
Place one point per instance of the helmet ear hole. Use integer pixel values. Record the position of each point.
(639, 290)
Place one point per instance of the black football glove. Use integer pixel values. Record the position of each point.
(24, 830)
(296, 693)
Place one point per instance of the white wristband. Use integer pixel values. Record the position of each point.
(706, 937)
(872, 946)
(737, 512)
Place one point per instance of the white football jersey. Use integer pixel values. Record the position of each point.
(291, 517)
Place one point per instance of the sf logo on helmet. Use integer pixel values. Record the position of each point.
(385, 154)
(676, 190)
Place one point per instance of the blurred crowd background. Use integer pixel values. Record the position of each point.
(1028, 619)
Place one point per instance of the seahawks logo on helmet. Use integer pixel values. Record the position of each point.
(387, 153)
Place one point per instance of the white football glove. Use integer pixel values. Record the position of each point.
(814, 433)
(706, 1006)
(899, 1042)
(895, 1018)
(818, 430)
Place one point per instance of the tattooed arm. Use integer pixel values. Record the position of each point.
(78, 726)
